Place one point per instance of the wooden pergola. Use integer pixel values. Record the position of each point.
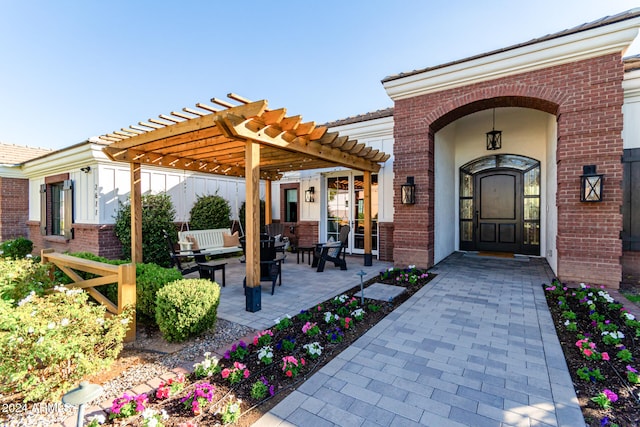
(240, 139)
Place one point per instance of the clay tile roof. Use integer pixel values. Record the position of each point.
(11, 154)
(378, 114)
(607, 20)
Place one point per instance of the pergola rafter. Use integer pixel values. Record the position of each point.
(242, 140)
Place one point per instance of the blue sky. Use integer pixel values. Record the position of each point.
(75, 69)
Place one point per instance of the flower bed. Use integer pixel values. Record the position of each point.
(600, 342)
(253, 376)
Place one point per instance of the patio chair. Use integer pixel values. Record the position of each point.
(178, 257)
(275, 230)
(332, 251)
(270, 262)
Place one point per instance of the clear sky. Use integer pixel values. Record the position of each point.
(70, 70)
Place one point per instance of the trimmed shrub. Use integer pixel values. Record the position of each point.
(157, 214)
(186, 308)
(17, 248)
(50, 343)
(18, 278)
(149, 279)
(209, 212)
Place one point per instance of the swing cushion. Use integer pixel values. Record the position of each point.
(231, 239)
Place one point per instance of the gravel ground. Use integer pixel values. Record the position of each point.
(37, 415)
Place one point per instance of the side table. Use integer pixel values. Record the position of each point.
(208, 270)
(305, 249)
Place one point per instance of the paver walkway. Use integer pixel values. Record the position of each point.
(475, 347)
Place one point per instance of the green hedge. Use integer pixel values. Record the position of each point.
(186, 308)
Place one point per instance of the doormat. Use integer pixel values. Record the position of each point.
(497, 254)
(381, 292)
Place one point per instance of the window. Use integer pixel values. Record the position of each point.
(631, 200)
(291, 205)
(56, 207)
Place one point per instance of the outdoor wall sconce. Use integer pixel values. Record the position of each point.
(308, 195)
(86, 169)
(408, 192)
(590, 184)
(494, 137)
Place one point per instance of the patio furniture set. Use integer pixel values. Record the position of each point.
(199, 245)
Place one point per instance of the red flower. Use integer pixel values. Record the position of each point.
(225, 373)
(289, 373)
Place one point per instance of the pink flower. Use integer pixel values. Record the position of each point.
(605, 356)
(587, 352)
(610, 395)
(225, 373)
(246, 373)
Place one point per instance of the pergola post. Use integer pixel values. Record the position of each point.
(136, 213)
(267, 202)
(368, 257)
(252, 221)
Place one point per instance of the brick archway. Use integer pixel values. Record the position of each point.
(586, 97)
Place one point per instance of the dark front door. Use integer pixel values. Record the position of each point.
(498, 215)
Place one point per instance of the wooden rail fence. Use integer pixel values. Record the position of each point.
(124, 275)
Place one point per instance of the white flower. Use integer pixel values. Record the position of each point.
(207, 354)
(27, 298)
(411, 267)
(164, 415)
(30, 330)
(64, 322)
(358, 312)
(629, 316)
(329, 317)
(125, 321)
(51, 325)
(566, 322)
(33, 313)
(583, 286)
(148, 413)
(20, 340)
(59, 288)
(100, 321)
(234, 407)
(266, 351)
(40, 340)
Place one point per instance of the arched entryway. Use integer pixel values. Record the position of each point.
(500, 204)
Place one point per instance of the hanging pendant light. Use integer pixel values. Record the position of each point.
(494, 137)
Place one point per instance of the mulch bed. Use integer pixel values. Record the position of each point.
(626, 410)
(253, 409)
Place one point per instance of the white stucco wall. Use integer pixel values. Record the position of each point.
(524, 132)
(631, 110)
(445, 201)
(549, 208)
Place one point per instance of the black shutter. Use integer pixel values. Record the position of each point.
(631, 200)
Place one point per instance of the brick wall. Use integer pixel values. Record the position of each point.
(385, 241)
(586, 97)
(307, 233)
(14, 208)
(97, 239)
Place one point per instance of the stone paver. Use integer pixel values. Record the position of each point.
(475, 347)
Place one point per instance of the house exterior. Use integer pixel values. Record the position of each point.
(567, 106)
(562, 102)
(69, 198)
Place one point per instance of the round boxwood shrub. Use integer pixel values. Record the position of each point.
(149, 279)
(186, 308)
(210, 212)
